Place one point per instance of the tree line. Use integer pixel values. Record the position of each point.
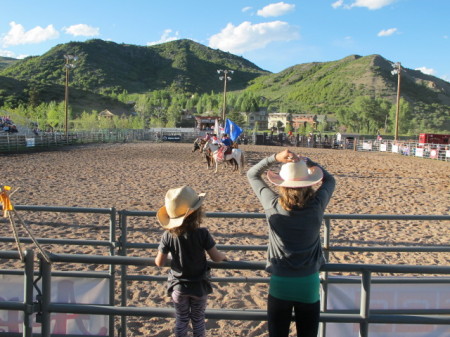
(164, 108)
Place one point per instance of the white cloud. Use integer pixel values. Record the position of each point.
(17, 35)
(337, 4)
(428, 71)
(248, 36)
(387, 32)
(7, 53)
(246, 9)
(165, 37)
(277, 9)
(372, 4)
(82, 30)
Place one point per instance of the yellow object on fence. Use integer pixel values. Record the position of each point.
(8, 209)
(5, 201)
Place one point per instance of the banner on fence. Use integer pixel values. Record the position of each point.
(64, 290)
(367, 146)
(419, 152)
(389, 296)
(383, 147)
(171, 138)
(394, 148)
(30, 142)
(434, 153)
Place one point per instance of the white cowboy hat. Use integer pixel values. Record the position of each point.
(296, 175)
(179, 203)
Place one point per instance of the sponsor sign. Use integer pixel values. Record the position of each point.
(367, 146)
(174, 138)
(389, 296)
(64, 290)
(30, 142)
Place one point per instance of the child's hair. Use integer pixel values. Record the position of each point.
(191, 222)
(294, 197)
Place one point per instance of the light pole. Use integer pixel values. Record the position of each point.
(225, 78)
(70, 59)
(397, 71)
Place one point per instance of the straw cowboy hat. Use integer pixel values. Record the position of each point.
(296, 175)
(179, 203)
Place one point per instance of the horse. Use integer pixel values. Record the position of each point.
(236, 157)
(199, 143)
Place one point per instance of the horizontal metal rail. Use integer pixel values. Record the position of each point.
(246, 265)
(364, 317)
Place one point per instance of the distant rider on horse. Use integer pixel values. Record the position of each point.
(214, 139)
(226, 147)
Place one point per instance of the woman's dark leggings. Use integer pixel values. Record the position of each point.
(279, 314)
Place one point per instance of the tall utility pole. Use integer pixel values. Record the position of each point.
(397, 71)
(70, 59)
(225, 78)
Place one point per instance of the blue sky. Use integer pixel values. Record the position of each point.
(272, 34)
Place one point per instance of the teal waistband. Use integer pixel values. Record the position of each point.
(303, 289)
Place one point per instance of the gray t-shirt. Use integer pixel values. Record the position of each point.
(189, 272)
(294, 236)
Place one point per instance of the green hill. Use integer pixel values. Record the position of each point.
(186, 67)
(104, 67)
(325, 87)
(6, 62)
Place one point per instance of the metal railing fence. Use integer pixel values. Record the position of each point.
(405, 148)
(118, 247)
(14, 143)
(363, 317)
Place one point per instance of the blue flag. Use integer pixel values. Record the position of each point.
(232, 129)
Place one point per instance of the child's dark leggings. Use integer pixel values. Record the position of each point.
(279, 314)
(189, 308)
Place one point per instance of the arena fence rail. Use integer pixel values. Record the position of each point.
(15, 143)
(39, 308)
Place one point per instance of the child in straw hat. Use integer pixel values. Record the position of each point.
(186, 241)
(294, 216)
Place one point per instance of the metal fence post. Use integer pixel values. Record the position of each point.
(46, 271)
(112, 267)
(27, 325)
(365, 303)
(324, 288)
(123, 276)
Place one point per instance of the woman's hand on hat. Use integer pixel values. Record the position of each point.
(287, 156)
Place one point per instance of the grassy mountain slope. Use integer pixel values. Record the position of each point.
(324, 87)
(107, 66)
(186, 66)
(6, 62)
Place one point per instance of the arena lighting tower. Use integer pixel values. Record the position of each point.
(225, 78)
(397, 71)
(70, 59)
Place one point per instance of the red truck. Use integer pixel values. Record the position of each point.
(432, 138)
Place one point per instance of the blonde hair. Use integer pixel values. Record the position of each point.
(191, 223)
(294, 197)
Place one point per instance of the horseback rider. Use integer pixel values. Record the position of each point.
(227, 143)
(226, 146)
(214, 139)
(207, 137)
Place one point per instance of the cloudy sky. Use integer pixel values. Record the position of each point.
(273, 35)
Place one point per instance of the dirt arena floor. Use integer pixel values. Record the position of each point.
(136, 177)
